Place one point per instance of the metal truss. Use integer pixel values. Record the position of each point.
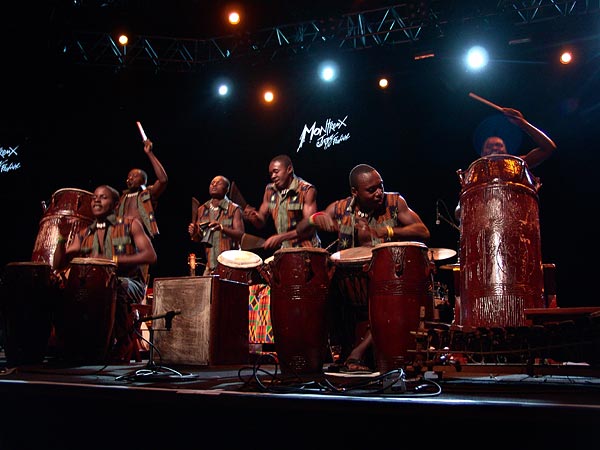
(409, 22)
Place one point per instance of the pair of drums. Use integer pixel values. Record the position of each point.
(392, 282)
(79, 305)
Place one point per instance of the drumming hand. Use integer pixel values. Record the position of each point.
(215, 226)
(273, 242)
(325, 222)
(192, 229)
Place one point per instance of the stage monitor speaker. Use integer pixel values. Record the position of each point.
(212, 328)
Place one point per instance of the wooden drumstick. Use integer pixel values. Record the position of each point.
(144, 138)
(487, 102)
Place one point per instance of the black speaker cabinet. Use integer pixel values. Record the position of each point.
(212, 328)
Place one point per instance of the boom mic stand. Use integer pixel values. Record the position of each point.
(152, 371)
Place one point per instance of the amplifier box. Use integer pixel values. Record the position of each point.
(212, 328)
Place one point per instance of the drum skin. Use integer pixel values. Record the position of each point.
(399, 286)
(299, 292)
(68, 207)
(28, 293)
(500, 250)
(84, 325)
(239, 265)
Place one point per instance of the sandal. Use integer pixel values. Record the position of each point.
(355, 366)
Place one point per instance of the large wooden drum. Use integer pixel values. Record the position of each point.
(68, 207)
(299, 291)
(399, 284)
(85, 321)
(500, 250)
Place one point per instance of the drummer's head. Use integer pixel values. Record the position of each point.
(494, 145)
(104, 200)
(281, 171)
(136, 178)
(219, 187)
(366, 185)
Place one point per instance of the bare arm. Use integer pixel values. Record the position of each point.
(162, 180)
(410, 225)
(258, 218)
(546, 146)
(145, 250)
(237, 229)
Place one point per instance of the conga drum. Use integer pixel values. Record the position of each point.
(500, 250)
(84, 326)
(239, 265)
(299, 291)
(27, 303)
(69, 206)
(399, 278)
(350, 276)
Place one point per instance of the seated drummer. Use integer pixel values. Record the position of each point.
(219, 225)
(122, 241)
(370, 216)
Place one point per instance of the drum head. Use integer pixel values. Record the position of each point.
(354, 254)
(94, 261)
(28, 264)
(269, 259)
(79, 191)
(300, 250)
(400, 244)
(239, 259)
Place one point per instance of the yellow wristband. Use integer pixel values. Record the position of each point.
(115, 259)
(390, 231)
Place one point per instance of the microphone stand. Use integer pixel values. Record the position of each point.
(152, 371)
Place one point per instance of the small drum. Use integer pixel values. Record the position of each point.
(299, 291)
(84, 326)
(350, 276)
(239, 265)
(69, 205)
(27, 303)
(399, 279)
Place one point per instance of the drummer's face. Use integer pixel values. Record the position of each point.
(280, 175)
(102, 202)
(369, 190)
(493, 146)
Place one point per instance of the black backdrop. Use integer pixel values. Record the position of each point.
(75, 128)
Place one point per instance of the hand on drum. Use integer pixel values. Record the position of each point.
(367, 233)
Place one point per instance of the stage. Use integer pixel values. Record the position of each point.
(144, 405)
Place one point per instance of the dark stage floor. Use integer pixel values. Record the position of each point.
(141, 405)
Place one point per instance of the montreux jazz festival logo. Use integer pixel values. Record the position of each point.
(7, 162)
(325, 136)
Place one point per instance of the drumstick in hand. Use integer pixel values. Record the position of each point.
(487, 102)
(144, 138)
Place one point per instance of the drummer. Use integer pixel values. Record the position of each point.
(494, 145)
(219, 225)
(123, 241)
(369, 216)
(288, 199)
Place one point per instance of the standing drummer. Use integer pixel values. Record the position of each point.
(219, 224)
(140, 200)
(494, 145)
(124, 241)
(288, 199)
(369, 216)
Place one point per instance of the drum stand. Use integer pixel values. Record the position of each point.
(152, 371)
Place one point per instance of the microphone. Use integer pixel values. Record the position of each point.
(437, 212)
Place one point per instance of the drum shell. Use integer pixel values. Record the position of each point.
(69, 207)
(28, 297)
(351, 278)
(84, 325)
(399, 279)
(299, 291)
(501, 266)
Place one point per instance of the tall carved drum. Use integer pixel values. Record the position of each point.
(299, 291)
(84, 322)
(500, 250)
(399, 279)
(67, 206)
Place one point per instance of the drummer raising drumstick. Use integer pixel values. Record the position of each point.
(369, 216)
(494, 145)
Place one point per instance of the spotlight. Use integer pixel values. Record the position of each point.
(477, 58)
(383, 83)
(123, 39)
(328, 71)
(234, 18)
(566, 57)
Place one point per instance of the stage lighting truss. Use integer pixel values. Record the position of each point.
(409, 22)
